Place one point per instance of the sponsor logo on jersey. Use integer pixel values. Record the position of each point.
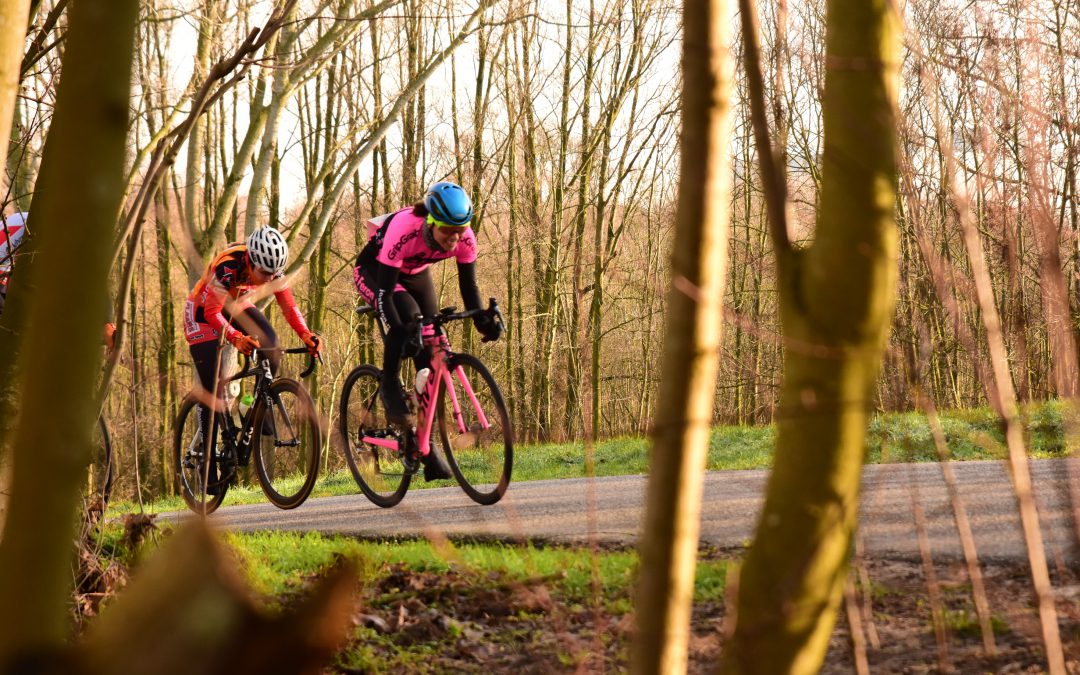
(395, 250)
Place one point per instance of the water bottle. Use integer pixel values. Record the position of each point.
(421, 382)
(245, 403)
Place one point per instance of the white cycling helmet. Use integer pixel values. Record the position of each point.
(268, 250)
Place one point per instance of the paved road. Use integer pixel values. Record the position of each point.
(610, 509)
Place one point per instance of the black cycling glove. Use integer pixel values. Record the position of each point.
(487, 326)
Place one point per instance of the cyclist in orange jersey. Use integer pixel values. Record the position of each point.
(217, 308)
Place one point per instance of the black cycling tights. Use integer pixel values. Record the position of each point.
(417, 298)
(205, 354)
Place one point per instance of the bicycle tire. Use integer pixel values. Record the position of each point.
(291, 458)
(187, 460)
(481, 459)
(382, 476)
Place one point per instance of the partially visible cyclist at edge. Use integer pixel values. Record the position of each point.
(12, 233)
(217, 308)
(392, 274)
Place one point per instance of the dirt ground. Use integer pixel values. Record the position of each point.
(451, 623)
(906, 640)
(454, 621)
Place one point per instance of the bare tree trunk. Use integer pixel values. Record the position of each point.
(574, 385)
(513, 269)
(13, 18)
(207, 21)
(524, 79)
(166, 358)
(409, 151)
(691, 351)
(52, 441)
(548, 312)
(836, 300)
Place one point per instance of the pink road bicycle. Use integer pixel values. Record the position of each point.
(460, 411)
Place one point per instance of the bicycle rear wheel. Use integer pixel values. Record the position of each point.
(193, 475)
(287, 444)
(380, 472)
(480, 455)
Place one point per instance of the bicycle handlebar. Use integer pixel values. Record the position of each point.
(448, 314)
(445, 316)
(293, 350)
(451, 314)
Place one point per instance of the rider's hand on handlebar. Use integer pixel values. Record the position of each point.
(313, 342)
(245, 344)
(488, 326)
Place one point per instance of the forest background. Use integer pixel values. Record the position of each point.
(563, 123)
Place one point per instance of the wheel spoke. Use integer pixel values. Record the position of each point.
(190, 452)
(287, 459)
(475, 431)
(379, 471)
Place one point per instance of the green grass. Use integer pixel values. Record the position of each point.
(279, 568)
(974, 434)
(965, 623)
(278, 563)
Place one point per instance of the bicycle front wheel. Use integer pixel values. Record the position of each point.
(190, 452)
(475, 430)
(378, 470)
(287, 443)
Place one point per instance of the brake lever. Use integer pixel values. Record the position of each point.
(496, 313)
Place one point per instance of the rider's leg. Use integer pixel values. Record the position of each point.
(421, 290)
(397, 408)
(253, 322)
(205, 357)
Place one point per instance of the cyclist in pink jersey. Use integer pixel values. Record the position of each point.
(392, 274)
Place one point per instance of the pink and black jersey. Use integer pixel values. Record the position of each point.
(406, 247)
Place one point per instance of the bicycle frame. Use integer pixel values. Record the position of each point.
(239, 438)
(440, 377)
(236, 439)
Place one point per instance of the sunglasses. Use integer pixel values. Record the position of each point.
(449, 229)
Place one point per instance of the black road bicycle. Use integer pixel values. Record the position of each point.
(460, 410)
(281, 429)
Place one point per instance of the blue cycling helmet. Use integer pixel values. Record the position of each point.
(449, 204)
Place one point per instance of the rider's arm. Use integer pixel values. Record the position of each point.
(216, 293)
(386, 278)
(465, 252)
(292, 313)
(470, 292)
